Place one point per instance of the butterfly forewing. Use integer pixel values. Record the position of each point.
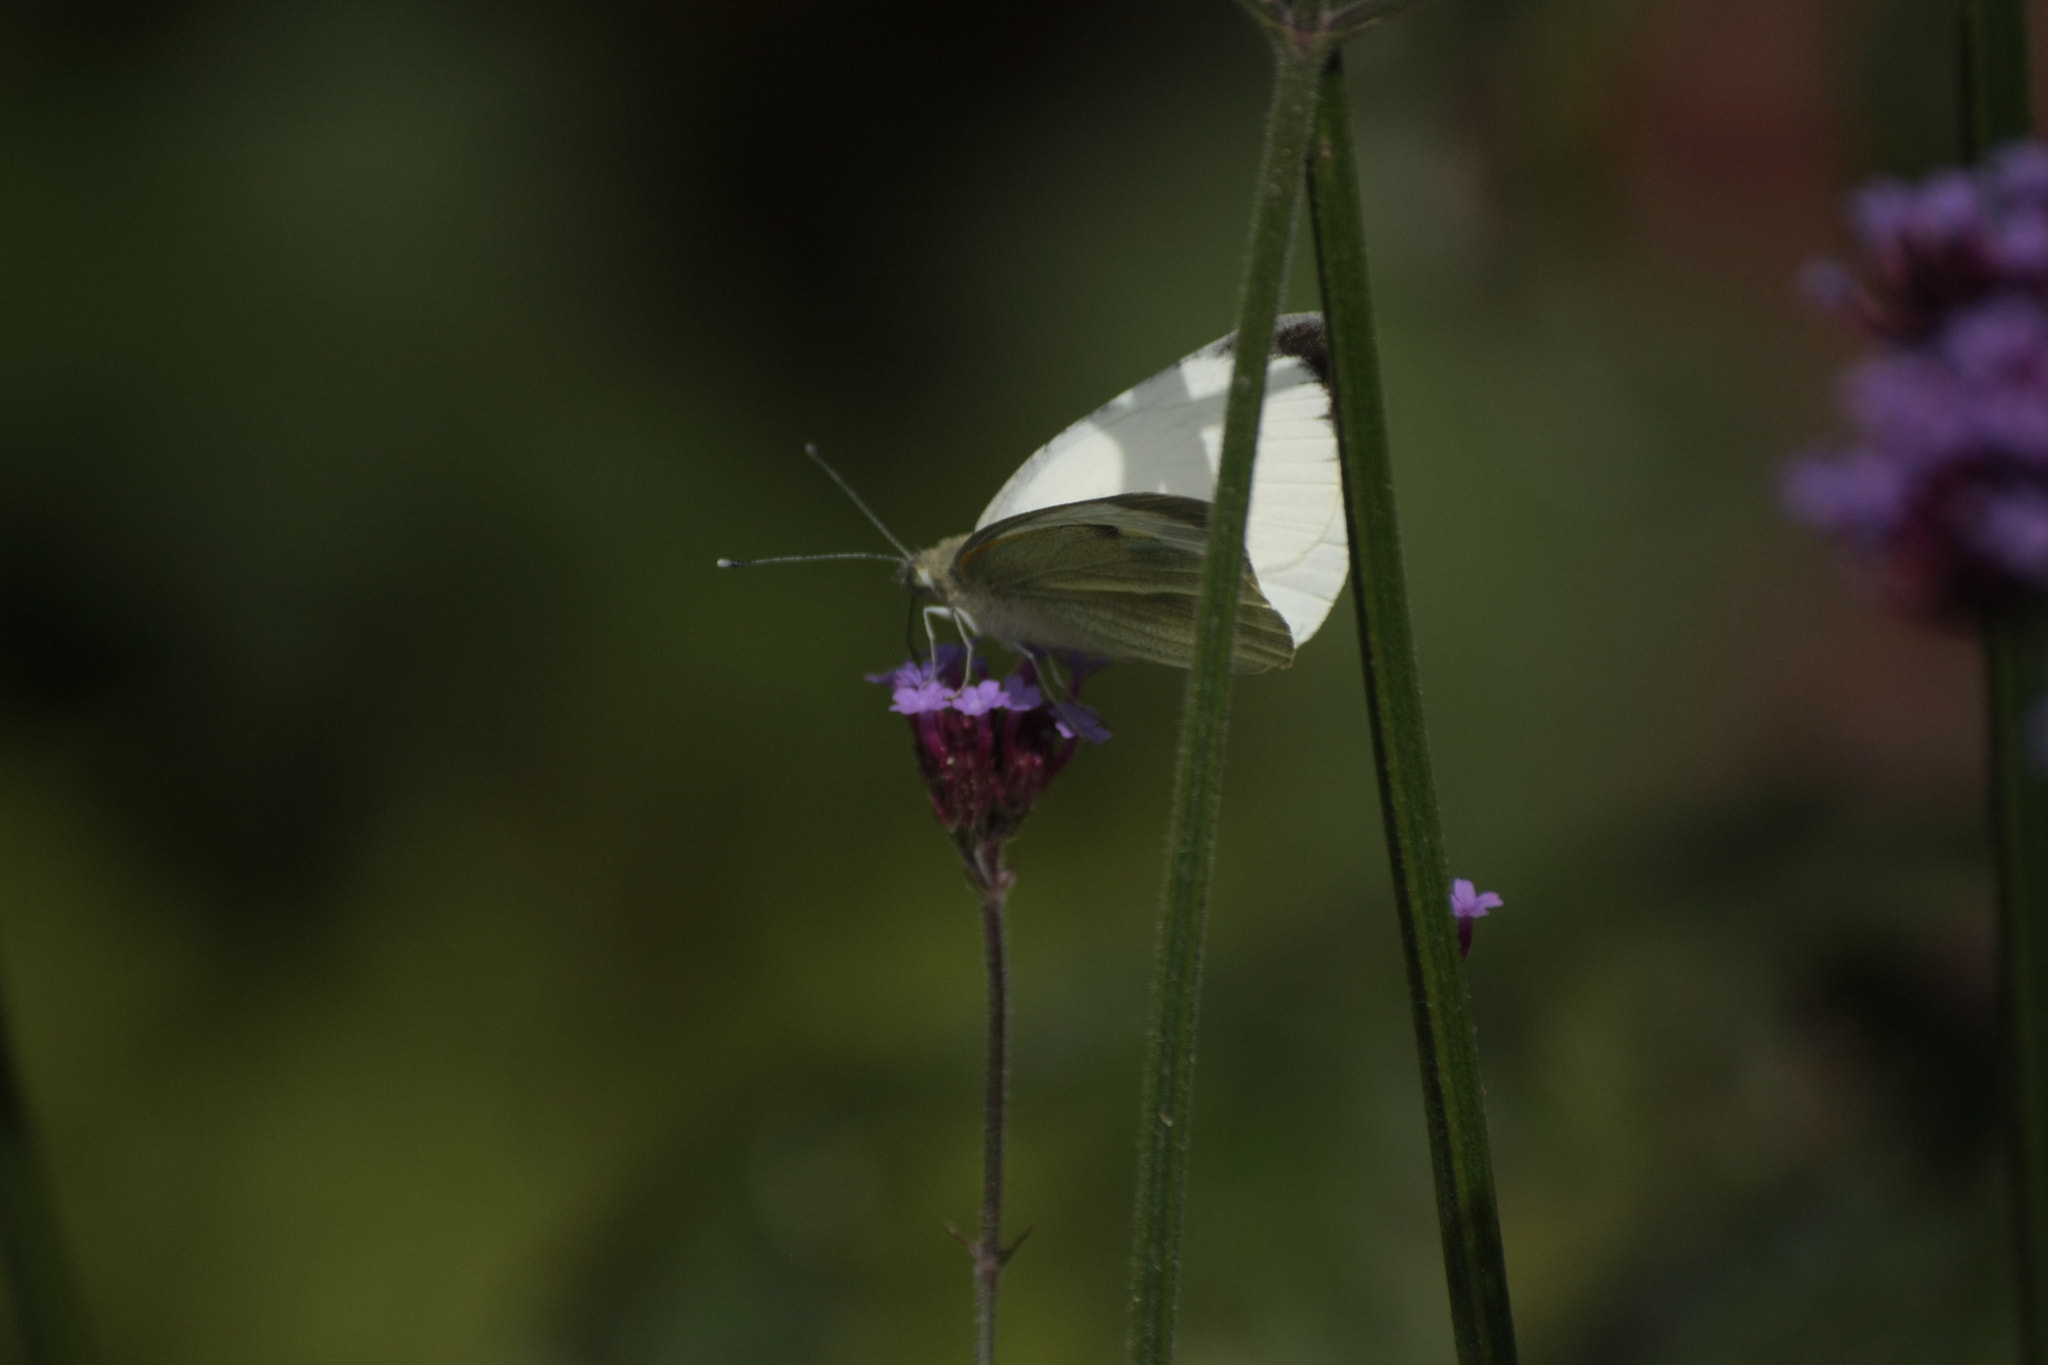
(1117, 577)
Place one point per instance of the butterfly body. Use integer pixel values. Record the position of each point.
(1114, 577)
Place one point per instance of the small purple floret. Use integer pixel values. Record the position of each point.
(978, 699)
(1859, 498)
(2021, 172)
(1827, 285)
(2019, 246)
(2011, 531)
(1469, 905)
(1020, 693)
(1078, 721)
(918, 699)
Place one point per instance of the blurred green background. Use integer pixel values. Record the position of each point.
(445, 922)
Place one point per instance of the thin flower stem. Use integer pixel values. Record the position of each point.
(2016, 671)
(38, 1276)
(1445, 1040)
(1197, 789)
(1996, 110)
(993, 885)
(1996, 107)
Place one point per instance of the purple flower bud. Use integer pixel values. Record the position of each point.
(2019, 171)
(1906, 405)
(1468, 905)
(1827, 285)
(1860, 499)
(1948, 207)
(1880, 214)
(2002, 341)
(2019, 245)
(2008, 530)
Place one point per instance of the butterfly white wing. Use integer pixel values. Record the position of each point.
(1166, 436)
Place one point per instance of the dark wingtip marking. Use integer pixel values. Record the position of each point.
(1299, 336)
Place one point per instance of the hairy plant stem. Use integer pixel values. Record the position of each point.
(992, 887)
(1446, 1043)
(1996, 110)
(38, 1276)
(1197, 788)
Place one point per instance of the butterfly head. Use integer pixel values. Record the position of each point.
(930, 572)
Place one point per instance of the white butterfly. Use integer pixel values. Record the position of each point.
(1096, 543)
(1072, 554)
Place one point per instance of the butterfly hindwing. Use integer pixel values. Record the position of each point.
(1114, 576)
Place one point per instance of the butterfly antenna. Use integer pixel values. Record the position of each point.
(866, 511)
(804, 559)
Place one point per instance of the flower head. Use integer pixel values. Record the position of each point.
(1469, 904)
(1928, 249)
(1941, 487)
(986, 748)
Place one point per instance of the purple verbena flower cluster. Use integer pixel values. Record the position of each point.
(986, 748)
(1942, 488)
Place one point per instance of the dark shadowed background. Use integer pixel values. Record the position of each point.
(446, 922)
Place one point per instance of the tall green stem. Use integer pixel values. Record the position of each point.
(1445, 1041)
(1197, 789)
(37, 1275)
(1996, 110)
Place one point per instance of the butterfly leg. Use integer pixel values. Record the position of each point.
(931, 638)
(961, 621)
(1049, 676)
(969, 632)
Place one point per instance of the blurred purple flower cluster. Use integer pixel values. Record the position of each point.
(1942, 486)
(987, 749)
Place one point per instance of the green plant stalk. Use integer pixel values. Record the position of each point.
(1197, 790)
(1446, 1043)
(1995, 75)
(38, 1277)
(2016, 676)
(1996, 111)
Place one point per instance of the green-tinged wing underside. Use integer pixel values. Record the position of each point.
(1118, 577)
